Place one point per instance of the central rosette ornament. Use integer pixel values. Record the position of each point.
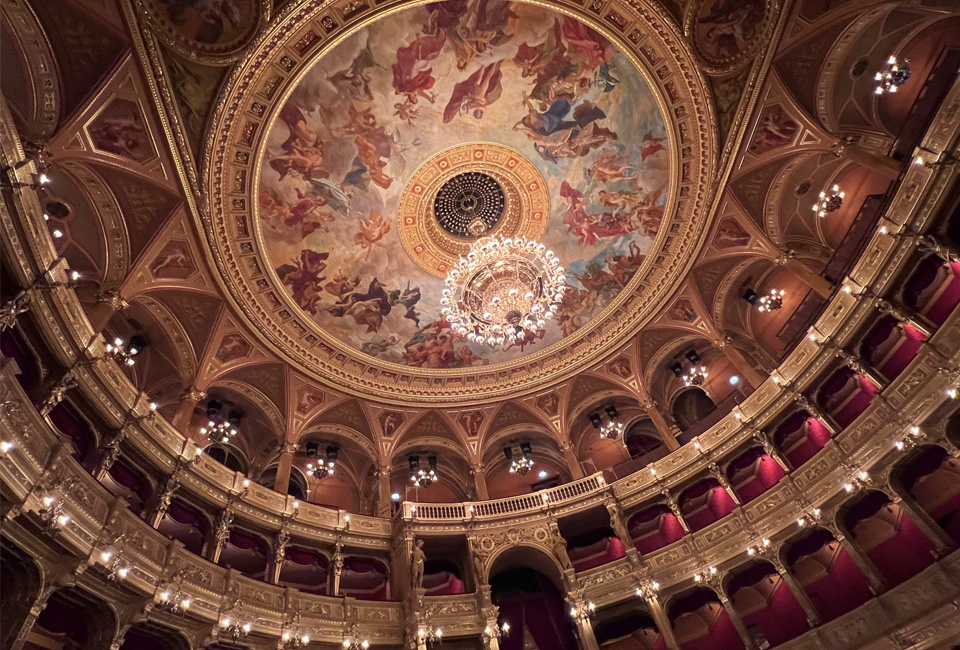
(504, 291)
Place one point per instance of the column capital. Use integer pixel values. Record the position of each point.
(477, 468)
(288, 448)
(113, 298)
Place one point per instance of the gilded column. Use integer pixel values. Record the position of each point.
(878, 584)
(220, 535)
(813, 616)
(675, 509)
(383, 491)
(284, 466)
(663, 428)
(279, 556)
(109, 302)
(648, 591)
(753, 377)
(940, 538)
(478, 472)
(573, 463)
(722, 480)
(813, 280)
(337, 568)
(188, 402)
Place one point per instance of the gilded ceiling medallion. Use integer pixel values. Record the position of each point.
(465, 192)
(338, 218)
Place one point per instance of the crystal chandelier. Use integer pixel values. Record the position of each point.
(503, 291)
(220, 431)
(613, 427)
(121, 352)
(423, 477)
(772, 301)
(829, 201)
(892, 76)
(324, 468)
(695, 376)
(520, 457)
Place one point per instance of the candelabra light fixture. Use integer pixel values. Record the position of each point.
(323, 468)
(612, 428)
(648, 589)
(52, 514)
(294, 637)
(19, 304)
(423, 476)
(858, 482)
(520, 457)
(706, 575)
(810, 518)
(233, 627)
(504, 291)
(910, 440)
(123, 352)
(582, 610)
(772, 301)
(430, 634)
(759, 548)
(353, 640)
(893, 75)
(117, 568)
(495, 631)
(695, 376)
(220, 430)
(174, 600)
(828, 201)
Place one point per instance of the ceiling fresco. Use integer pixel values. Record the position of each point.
(384, 105)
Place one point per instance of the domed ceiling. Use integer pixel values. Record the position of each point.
(361, 167)
(349, 214)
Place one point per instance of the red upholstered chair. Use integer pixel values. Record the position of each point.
(892, 541)
(700, 622)
(934, 289)
(654, 528)
(828, 575)
(305, 570)
(764, 600)
(890, 347)
(846, 395)
(753, 473)
(800, 437)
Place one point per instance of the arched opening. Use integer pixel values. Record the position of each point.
(845, 395)
(364, 578)
(245, 552)
(74, 429)
(296, 486)
(752, 473)
(653, 528)
(443, 577)
(128, 483)
(228, 456)
(933, 289)
(932, 478)
(766, 605)
(800, 437)
(700, 622)
(704, 503)
(22, 583)
(336, 492)
(690, 406)
(14, 346)
(890, 346)
(888, 536)
(153, 636)
(826, 573)
(591, 541)
(524, 585)
(644, 443)
(73, 618)
(624, 626)
(184, 523)
(305, 569)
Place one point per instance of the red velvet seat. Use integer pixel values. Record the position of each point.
(753, 473)
(934, 289)
(654, 528)
(764, 600)
(890, 347)
(828, 575)
(442, 583)
(246, 553)
(601, 552)
(846, 395)
(800, 437)
(892, 541)
(705, 503)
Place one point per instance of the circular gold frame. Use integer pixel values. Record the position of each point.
(249, 105)
(526, 215)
